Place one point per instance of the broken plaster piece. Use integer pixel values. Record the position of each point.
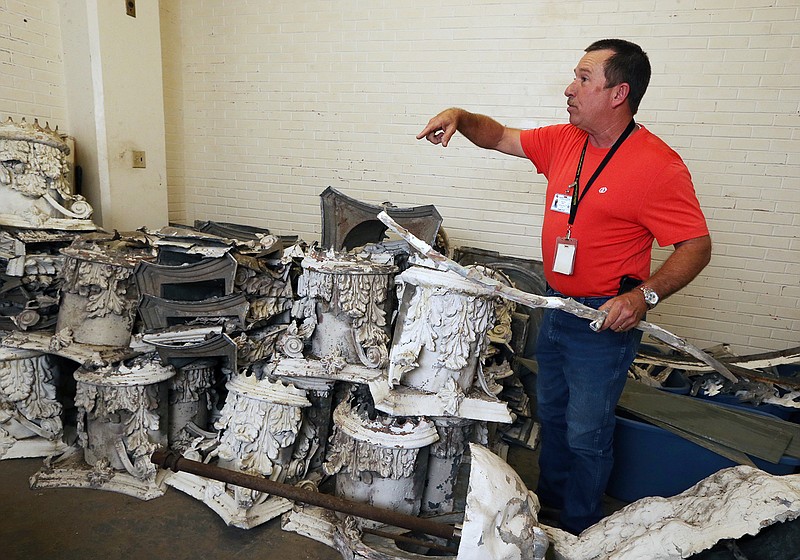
(500, 519)
(406, 401)
(729, 504)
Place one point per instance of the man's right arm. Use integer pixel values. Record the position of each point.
(481, 130)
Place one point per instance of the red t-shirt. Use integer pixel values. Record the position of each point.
(645, 192)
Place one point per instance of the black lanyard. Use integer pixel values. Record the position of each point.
(573, 209)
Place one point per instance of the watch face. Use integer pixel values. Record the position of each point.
(650, 296)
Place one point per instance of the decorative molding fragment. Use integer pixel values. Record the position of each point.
(312, 441)
(440, 333)
(98, 293)
(158, 313)
(121, 420)
(406, 401)
(194, 343)
(30, 286)
(177, 245)
(34, 190)
(250, 239)
(268, 291)
(260, 434)
(299, 368)
(30, 414)
(259, 424)
(315, 523)
(344, 535)
(500, 519)
(230, 230)
(70, 470)
(120, 410)
(222, 501)
(753, 361)
(87, 354)
(257, 345)
(729, 504)
(526, 275)
(382, 461)
(189, 400)
(343, 307)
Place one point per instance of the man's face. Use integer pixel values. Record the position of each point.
(588, 99)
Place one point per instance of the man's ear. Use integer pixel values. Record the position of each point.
(621, 92)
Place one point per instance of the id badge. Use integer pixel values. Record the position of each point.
(564, 261)
(561, 203)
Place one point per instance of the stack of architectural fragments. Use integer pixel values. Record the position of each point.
(238, 348)
(39, 216)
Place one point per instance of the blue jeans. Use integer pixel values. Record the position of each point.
(580, 379)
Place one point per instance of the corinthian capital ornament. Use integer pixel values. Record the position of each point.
(34, 189)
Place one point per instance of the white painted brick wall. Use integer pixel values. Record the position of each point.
(173, 106)
(31, 68)
(268, 103)
(281, 102)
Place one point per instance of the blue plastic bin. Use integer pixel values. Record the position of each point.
(652, 461)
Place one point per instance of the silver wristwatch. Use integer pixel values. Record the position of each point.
(650, 296)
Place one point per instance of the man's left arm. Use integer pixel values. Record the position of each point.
(680, 268)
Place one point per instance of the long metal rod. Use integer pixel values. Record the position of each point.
(411, 540)
(167, 459)
(533, 300)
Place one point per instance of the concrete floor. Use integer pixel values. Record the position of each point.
(81, 524)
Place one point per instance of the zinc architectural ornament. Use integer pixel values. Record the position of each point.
(260, 421)
(729, 504)
(262, 430)
(122, 413)
(30, 413)
(34, 188)
(352, 294)
(444, 317)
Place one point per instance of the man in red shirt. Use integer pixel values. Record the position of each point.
(612, 188)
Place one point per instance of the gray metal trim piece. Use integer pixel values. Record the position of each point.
(156, 312)
(151, 277)
(348, 223)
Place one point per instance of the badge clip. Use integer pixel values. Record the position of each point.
(564, 260)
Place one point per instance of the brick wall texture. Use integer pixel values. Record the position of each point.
(31, 68)
(269, 102)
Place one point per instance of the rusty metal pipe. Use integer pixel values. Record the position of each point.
(411, 540)
(167, 459)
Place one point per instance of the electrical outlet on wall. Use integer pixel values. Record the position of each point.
(138, 158)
